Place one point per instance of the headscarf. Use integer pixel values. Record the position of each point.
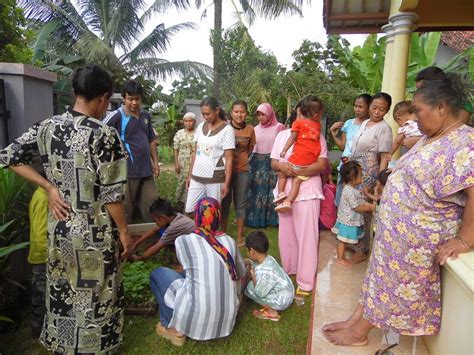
(265, 133)
(267, 109)
(207, 216)
(190, 115)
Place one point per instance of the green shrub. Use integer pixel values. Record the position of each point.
(165, 154)
(15, 194)
(166, 185)
(136, 282)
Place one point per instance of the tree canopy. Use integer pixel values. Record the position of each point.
(13, 36)
(107, 32)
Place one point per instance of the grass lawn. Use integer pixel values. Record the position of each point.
(250, 335)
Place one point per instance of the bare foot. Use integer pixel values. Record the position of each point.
(358, 257)
(353, 319)
(343, 262)
(347, 337)
(332, 327)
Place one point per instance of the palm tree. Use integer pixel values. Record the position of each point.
(249, 8)
(107, 32)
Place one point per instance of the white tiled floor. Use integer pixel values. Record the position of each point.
(336, 295)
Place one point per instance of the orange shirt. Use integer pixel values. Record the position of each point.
(307, 146)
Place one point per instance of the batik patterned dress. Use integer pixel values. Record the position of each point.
(183, 142)
(84, 295)
(422, 206)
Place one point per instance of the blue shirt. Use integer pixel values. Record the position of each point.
(350, 129)
(136, 135)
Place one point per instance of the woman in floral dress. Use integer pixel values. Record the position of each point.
(183, 144)
(425, 217)
(86, 173)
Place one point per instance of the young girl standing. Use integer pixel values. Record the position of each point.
(350, 218)
(348, 132)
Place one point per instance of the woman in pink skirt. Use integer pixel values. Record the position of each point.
(298, 231)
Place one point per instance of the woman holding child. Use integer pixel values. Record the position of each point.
(298, 230)
(425, 218)
(370, 149)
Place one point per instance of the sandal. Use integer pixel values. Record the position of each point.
(263, 314)
(241, 243)
(177, 340)
(283, 207)
(300, 296)
(280, 197)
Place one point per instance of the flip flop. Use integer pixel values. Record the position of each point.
(174, 339)
(263, 314)
(280, 197)
(300, 296)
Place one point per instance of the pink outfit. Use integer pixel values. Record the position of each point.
(328, 213)
(298, 230)
(265, 134)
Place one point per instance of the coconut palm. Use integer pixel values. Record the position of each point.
(108, 32)
(248, 8)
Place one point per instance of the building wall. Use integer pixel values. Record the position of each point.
(29, 97)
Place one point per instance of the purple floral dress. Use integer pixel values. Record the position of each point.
(422, 206)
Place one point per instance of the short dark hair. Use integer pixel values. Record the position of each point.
(240, 103)
(349, 171)
(311, 105)
(294, 113)
(213, 103)
(132, 88)
(161, 207)
(430, 73)
(91, 81)
(258, 241)
(383, 176)
(402, 108)
(364, 97)
(383, 96)
(450, 91)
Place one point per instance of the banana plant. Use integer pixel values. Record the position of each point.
(4, 280)
(364, 65)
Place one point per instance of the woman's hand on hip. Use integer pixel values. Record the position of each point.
(451, 249)
(58, 207)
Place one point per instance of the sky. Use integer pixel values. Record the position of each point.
(281, 36)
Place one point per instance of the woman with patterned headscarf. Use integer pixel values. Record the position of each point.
(202, 301)
(262, 179)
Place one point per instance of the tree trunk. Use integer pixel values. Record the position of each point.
(217, 43)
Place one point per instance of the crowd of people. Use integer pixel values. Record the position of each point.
(93, 175)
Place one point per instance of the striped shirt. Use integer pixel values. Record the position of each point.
(205, 302)
(273, 288)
